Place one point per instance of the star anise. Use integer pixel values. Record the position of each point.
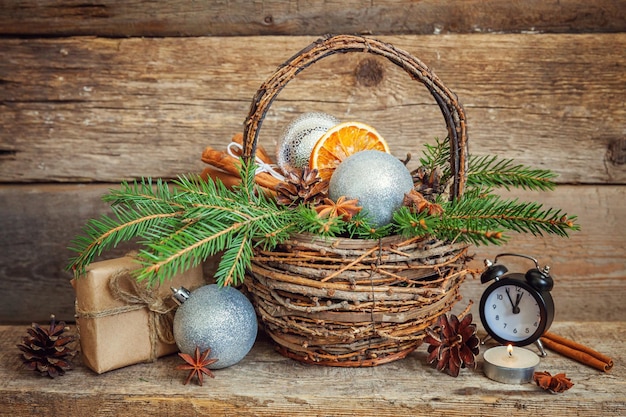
(416, 202)
(453, 344)
(555, 384)
(344, 208)
(198, 364)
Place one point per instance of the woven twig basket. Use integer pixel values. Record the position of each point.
(355, 302)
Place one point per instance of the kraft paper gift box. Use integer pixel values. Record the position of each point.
(121, 321)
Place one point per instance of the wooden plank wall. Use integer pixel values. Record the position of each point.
(92, 93)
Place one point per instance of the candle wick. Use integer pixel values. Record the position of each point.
(509, 350)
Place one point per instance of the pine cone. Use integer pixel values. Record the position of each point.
(427, 183)
(417, 203)
(301, 186)
(453, 344)
(46, 350)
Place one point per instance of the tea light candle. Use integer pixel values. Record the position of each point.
(510, 365)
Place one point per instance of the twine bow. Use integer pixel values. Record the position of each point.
(160, 315)
(261, 165)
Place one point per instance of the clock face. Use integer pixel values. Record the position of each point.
(512, 314)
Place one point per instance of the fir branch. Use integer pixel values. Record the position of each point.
(218, 229)
(247, 172)
(361, 228)
(108, 232)
(310, 222)
(494, 172)
(436, 156)
(444, 228)
(143, 192)
(235, 260)
(478, 218)
(488, 171)
(170, 233)
(493, 213)
(183, 225)
(196, 191)
(277, 235)
(412, 224)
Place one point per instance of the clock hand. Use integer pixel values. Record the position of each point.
(508, 294)
(518, 298)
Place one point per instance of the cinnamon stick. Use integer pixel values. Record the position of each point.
(576, 351)
(227, 179)
(220, 160)
(227, 163)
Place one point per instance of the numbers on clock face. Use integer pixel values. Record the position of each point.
(512, 313)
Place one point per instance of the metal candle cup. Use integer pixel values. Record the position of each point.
(510, 365)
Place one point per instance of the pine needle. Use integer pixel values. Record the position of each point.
(493, 172)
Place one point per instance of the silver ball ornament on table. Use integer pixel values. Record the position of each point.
(299, 138)
(377, 179)
(220, 318)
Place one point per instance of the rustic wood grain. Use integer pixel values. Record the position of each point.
(81, 102)
(39, 221)
(267, 384)
(93, 109)
(301, 17)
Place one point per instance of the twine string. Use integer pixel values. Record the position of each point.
(160, 315)
(234, 149)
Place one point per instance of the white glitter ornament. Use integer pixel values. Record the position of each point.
(377, 179)
(299, 138)
(220, 318)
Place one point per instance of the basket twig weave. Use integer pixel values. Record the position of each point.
(355, 302)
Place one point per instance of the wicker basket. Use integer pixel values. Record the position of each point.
(354, 302)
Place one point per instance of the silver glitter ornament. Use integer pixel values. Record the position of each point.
(299, 138)
(377, 179)
(220, 318)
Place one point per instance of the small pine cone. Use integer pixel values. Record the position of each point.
(301, 187)
(428, 183)
(47, 350)
(453, 344)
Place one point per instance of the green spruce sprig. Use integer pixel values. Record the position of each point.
(479, 216)
(129, 221)
(436, 156)
(491, 171)
(311, 222)
(483, 219)
(183, 225)
(488, 171)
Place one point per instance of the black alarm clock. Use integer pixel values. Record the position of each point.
(517, 308)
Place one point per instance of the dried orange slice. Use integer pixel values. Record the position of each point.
(341, 141)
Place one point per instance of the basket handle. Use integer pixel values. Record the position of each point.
(452, 111)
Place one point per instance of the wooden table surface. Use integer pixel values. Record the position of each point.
(267, 384)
